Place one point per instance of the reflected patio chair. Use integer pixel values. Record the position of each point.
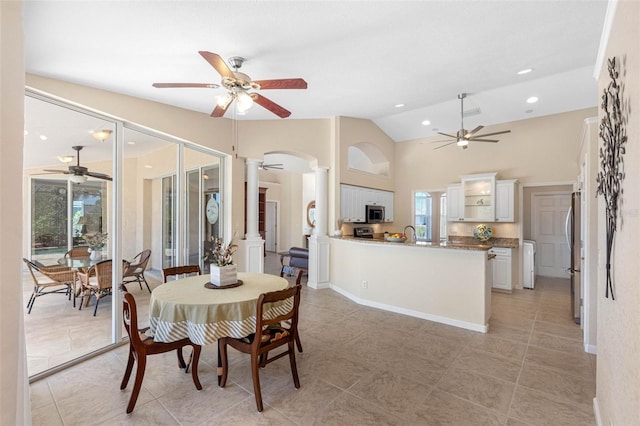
(271, 336)
(96, 282)
(134, 270)
(180, 271)
(141, 345)
(78, 252)
(49, 280)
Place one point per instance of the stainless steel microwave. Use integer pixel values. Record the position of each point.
(375, 214)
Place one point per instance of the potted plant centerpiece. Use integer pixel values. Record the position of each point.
(95, 241)
(220, 259)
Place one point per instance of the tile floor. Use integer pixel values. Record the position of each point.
(360, 366)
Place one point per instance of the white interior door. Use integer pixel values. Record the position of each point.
(549, 218)
(271, 220)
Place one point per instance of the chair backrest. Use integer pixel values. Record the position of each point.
(289, 315)
(56, 273)
(31, 266)
(130, 319)
(139, 266)
(78, 252)
(180, 270)
(103, 271)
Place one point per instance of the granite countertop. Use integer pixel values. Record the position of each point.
(456, 243)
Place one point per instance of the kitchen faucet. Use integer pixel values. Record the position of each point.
(410, 227)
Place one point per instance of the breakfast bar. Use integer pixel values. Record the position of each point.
(447, 283)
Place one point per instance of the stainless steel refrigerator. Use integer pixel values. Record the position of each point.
(574, 242)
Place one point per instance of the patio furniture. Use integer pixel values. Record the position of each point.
(134, 271)
(78, 252)
(95, 282)
(49, 280)
(180, 271)
(298, 262)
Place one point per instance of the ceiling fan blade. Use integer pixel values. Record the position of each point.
(483, 140)
(447, 134)
(494, 133)
(218, 63)
(272, 166)
(172, 85)
(219, 111)
(447, 144)
(285, 83)
(66, 172)
(270, 105)
(474, 131)
(98, 175)
(442, 140)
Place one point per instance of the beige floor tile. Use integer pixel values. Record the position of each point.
(151, 413)
(442, 408)
(246, 413)
(339, 371)
(408, 365)
(396, 394)
(40, 394)
(549, 341)
(488, 364)
(567, 331)
(46, 415)
(538, 408)
(489, 392)
(514, 422)
(513, 351)
(564, 386)
(348, 409)
(575, 364)
(508, 331)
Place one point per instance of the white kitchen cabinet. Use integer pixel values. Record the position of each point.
(478, 192)
(505, 200)
(454, 203)
(501, 268)
(354, 199)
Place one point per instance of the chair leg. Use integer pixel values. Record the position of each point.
(127, 371)
(31, 300)
(299, 276)
(142, 363)
(95, 310)
(298, 344)
(194, 368)
(186, 369)
(223, 365)
(294, 368)
(145, 282)
(181, 363)
(255, 375)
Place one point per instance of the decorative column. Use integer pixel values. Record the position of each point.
(251, 249)
(319, 241)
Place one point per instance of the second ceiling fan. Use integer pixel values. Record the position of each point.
(238, 85)
(463, 136)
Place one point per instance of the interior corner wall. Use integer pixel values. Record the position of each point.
(15, 407)
(618, 370)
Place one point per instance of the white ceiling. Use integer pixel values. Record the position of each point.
(360, 58)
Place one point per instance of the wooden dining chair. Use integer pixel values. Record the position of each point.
(271, 336)
(134, 270)
(141, 345)
(50, 280)
(95, 282)
(177, 271)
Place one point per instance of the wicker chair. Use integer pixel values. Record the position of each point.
(49, 280)
(97, 282)
(78, 252)
(134, 271)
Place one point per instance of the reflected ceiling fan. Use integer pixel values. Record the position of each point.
(238, 85)
(79, 173)
(463, 136)
(275, 166)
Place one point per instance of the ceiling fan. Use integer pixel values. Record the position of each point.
(275, 166)
(238, 85)
(79, 173)
(463, 136)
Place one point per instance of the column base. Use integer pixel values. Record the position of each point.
(318, 261)
(250, 255)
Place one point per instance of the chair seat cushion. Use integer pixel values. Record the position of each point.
(269, 335)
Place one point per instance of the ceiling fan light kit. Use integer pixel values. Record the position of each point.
(79, 173)
(78, 179)
(102, 135)
(463, 136)
(238, 85)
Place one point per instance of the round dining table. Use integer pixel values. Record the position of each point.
(186, 308)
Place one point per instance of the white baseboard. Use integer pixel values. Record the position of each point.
(591, 349)
(422, 315)
(596, 412)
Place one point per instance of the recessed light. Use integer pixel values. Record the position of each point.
(131, 143)
(43, 137)
(525, 71)
(148, 166)
(399, 105)
(532, 100)
(426, 122)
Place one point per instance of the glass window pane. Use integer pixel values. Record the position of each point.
(49, 220)
(443, 217)
(422, 215)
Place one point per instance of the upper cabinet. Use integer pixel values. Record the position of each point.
(353, 200)
(481, 198)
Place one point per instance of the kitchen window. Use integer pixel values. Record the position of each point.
(429, 215)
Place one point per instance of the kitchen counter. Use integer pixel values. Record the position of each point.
(447, 283)
(460, 243)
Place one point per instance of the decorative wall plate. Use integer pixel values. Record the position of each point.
(482, 232)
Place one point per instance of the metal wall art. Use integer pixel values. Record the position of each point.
(613, 135)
